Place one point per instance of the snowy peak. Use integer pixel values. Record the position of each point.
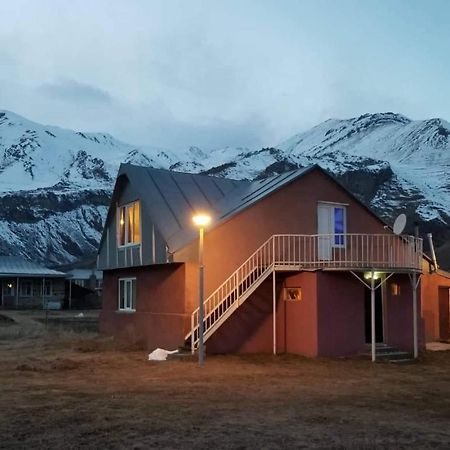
(64, 178)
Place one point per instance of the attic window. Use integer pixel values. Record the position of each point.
(129, 224)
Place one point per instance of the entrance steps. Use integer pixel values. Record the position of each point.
(387, 353)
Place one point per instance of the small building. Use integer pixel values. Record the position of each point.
(87, 278)
(435, 289)
(293, 263)
(84, 288)
(25, 284)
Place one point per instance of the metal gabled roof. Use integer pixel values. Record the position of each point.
(15, 266)
(171, 198)
(241, 197)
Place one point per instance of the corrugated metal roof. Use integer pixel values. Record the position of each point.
(20, 267)
(172, 198)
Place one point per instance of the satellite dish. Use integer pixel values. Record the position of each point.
(399, 224)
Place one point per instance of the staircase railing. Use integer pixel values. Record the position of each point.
(233, 291)
(305, 252)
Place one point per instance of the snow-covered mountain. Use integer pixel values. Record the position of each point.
(55, 184)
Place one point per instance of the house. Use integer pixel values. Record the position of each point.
(25, 284)
(87, 278)
(435, 291)
(84, 287)
(83, 283)
(293, 263)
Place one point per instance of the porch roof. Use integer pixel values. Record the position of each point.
(15, 266)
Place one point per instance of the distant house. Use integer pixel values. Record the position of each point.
(84, 287)
(293, 263)
(86, 278)
(25, 284)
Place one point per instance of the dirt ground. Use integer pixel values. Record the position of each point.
(66, 389)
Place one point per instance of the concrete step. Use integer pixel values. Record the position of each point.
(388, 353)
(394, 356)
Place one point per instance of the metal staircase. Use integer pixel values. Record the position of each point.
(303, 252)
(233, 292)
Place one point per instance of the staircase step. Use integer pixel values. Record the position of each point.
(393, 355)
(182, 356)
(402, 361)
(387, 353)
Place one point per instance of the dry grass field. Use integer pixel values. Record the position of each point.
(68, 390)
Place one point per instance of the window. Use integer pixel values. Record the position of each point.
(339, 226)
(293, 294)
(79, 282)
(332, 225)
(395, 289)
(26, 288)
(129, 231)
(127, 294)
(48, 288)
(8, 288)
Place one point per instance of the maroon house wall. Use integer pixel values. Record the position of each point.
(341, 314)
(250, 328)
(398, 314)
(329, 321)
(297, 321)
(160, 319)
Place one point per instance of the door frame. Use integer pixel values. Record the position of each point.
(326, 244)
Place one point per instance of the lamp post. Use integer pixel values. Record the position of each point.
(201, 220)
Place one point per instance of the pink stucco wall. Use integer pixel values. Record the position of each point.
(432, 286)
(250, 328)
(160, 319)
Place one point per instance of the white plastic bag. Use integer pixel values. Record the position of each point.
(160, 354)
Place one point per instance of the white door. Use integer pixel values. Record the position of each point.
(324, 228)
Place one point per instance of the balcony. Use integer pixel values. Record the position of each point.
(385, 252)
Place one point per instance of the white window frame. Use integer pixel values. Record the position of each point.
(327, 237)
(126, 207)
(128, 305)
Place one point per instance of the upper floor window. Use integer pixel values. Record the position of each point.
(129, 225)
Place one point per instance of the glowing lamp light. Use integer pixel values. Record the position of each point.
(376, 275)
(10, 285)
(122, 221)
(201, 220)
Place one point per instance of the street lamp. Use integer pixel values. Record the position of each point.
(201, 220)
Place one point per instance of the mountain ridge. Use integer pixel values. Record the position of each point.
(55, 183)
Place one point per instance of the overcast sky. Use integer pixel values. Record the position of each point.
(215, 73)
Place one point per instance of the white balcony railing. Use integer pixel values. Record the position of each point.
(347, 251)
